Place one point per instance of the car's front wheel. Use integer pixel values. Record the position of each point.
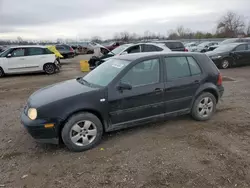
(82, 131)
(204, 107)
(49, 68)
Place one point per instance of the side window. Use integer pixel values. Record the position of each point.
(59, 47)
(194, 67)
(177, 67)
(158, 49)
(248, 46)
(149, 48)
(241, 47)
(143, 73)
(35, 51)
(19, 52)
(133, 49)
(47, 51)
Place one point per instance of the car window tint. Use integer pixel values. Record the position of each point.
(149, 48)
(143, 73)
(35, 51)
(59, 47)
(19, 52)
(47, 51)
(241, 47)
(133, 49)
(194, 67)
(177, 67)
(158, 49)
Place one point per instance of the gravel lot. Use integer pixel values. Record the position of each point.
(177, 153)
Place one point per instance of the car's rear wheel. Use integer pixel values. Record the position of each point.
(1, 72)
(204, 107)
(82, 131)
(49, 68)
(225, 64)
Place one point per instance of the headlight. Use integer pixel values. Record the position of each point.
(216, 57)
(32, 113)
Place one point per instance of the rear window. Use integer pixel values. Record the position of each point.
(174, 45)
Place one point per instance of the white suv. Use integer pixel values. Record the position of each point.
(24, 59)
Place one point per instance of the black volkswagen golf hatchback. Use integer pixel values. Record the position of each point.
(123, 92)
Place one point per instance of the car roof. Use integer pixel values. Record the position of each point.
(135, 56)
(28, 46)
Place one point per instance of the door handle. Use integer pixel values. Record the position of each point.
(159, 90)
(22, 59)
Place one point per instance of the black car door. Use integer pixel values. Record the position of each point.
(144, 101)
(182, 78)
(240, 54)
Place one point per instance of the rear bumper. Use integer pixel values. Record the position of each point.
(37, 130)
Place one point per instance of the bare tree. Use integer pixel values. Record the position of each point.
(231, 25)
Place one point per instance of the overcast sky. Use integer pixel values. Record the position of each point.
(52, 19)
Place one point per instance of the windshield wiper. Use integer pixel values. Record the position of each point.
(82, 81)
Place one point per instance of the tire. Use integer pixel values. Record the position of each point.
(225, 64)
(1, 72)
(49, 68)
(204, 107)
(76, 133)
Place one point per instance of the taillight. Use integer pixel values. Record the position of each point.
(71, 49)
(219, 81)
(185, 50)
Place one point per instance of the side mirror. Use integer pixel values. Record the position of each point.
(124, 53)
(8, 56)
(124, 86)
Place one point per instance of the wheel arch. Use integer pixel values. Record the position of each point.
(85, 110)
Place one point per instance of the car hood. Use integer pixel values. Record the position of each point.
(216, 53)
(57, 92)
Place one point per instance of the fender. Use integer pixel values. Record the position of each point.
(208, 87)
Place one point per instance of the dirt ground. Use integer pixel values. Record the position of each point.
(177, 153)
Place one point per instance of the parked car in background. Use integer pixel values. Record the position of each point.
(76, 49)
(129, 49)
(229, 41)
(204, 46)
(190, 45)
(65, 50)
(229, 55)
(1, 49)
(25, 59)
(111, 46)
(121, 93)
(174, 45)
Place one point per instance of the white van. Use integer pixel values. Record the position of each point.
(25, 59)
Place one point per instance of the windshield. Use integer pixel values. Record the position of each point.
(119, 49)
(228, 41)
(106, 72)
(225, 48)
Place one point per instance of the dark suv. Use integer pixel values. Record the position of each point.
(174, 45)
(125, 91)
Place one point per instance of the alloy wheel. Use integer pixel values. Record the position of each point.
(83, 133)
(49, 68)
(205, 107)
(225, 64)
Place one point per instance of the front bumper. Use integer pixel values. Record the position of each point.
(37, 130)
